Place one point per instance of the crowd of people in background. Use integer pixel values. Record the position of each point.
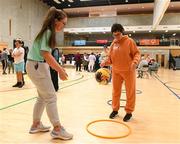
(146, 66)
(89, 62)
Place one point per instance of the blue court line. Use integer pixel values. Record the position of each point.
(167, 87)
(167, 84)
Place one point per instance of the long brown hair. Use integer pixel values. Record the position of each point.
(49, 23)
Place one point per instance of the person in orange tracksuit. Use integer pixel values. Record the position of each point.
(124, 57)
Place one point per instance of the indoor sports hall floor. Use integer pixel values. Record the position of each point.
(81, 100)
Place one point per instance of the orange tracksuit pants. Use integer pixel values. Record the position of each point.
(130, 80)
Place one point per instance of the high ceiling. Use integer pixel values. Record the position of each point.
(63, 4)
(83, 8)
(103, 8)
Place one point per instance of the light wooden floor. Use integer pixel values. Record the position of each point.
(81, 100)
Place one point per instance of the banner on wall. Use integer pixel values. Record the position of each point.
(80, 42)
(101, 41)
(149, 42)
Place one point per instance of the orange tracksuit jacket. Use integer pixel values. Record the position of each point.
(121, 55)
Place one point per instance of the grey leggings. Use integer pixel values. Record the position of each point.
(39, 74)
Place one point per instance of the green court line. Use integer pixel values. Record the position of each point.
(35, 87)
(9, 106)
(17, 103)
(72, 80)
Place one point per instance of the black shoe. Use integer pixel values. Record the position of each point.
(20, 85)
(113, 114)
(17, 84)
(127, 117)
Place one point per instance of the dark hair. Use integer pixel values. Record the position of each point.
(117, 28)
(49, 23)
(105, 46)
(19, 41)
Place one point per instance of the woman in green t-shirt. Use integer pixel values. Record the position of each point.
(39, 60)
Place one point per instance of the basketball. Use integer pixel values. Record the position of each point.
(102, 76)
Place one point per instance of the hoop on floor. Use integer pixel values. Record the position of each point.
(109, 102)
(137, 91)
(108, 137)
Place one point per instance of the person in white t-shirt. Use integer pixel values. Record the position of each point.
(92, 60)
(18, 54)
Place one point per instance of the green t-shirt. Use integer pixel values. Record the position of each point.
(38, 46)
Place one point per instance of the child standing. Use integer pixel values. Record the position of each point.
(39, 60)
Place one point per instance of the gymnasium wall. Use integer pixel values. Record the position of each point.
(21, 19)
(3, 45)
(175, 52)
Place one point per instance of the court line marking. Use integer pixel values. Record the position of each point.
(167, 86)
(9, 106)
(168, 82)
(17, 89)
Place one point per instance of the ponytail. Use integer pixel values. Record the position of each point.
(49, 23)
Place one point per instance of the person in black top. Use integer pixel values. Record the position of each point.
(4, 58)
(26, 50)
(54, 74)
(10, 62)
(78, 61)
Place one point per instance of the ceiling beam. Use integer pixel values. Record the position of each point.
(160, 6)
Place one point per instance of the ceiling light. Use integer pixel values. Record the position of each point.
(149, 30)
(129, 34)
(69, 5)
(166, 31)
(57, 1)
(85, 0)
(174, 34)
(134, 31)
(62, 0)
(126, 1)
(71, 1)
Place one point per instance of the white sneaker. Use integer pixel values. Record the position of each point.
(39, 128)
(62, 134)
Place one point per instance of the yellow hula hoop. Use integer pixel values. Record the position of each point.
(108, 137)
